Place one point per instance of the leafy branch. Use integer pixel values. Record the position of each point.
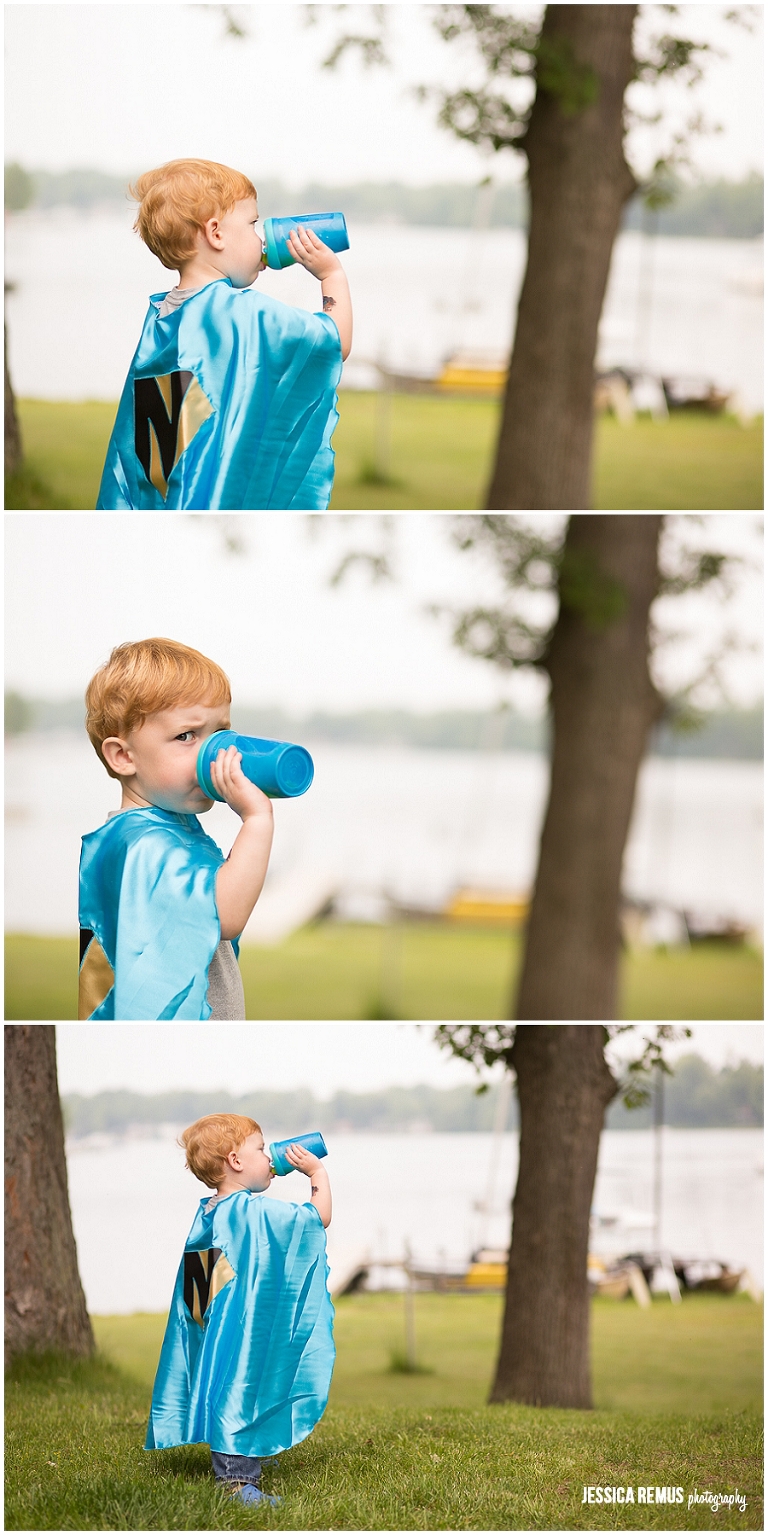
(513, 54)
(489, 1045)
(635, 1091)
(538, 575)
(531, 562)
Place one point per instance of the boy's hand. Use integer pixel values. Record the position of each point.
(311, 253)
(304, 1161)
(230, 781)
(323, 263)
(240, 880)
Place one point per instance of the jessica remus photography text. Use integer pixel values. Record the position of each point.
(646, 1494)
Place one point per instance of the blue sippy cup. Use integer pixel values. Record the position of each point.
(313, 1142)
(331, 228)
(278, 768)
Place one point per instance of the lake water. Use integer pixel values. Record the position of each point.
(419, 294)
(414, 823)
(134, 1195)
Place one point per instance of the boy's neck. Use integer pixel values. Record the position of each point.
(197, 273)
(136, 802)
(230, 1185)
(132, 800)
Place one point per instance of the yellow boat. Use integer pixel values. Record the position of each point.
(488, 906)
(486, 1276)
(473, 373)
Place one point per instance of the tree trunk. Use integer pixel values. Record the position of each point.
(579, 181)
(44, 1300)
(13, 454)
(603, 705)
(563, 1086)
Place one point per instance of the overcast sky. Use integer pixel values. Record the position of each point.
(125, 87)
(78, 584)
(360, 1057)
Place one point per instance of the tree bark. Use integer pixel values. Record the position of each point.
(563, 1086)
(603, 705)
(579, 181)
(44, 1301)
(13, 453)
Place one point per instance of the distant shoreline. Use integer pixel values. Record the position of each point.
(697, 1098)
(711, 210)
(733, 735)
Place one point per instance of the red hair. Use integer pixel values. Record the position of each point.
(177, 199)
(142, 677)
(209, 1141)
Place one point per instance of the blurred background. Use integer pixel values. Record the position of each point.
(399, 885)
(422, 1172)
(437, 231)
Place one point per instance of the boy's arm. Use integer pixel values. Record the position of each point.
(305, 1162)
(324, 264)
(240, 880)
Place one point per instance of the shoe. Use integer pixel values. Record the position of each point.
(250, 1494)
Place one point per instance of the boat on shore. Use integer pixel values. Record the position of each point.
(703, 1274)
(621, 391)
(638, 1274)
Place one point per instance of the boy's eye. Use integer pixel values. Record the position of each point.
(186, 735)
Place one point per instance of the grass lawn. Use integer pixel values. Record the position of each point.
(65, 445)
(335, 970)
(707, 1352)
(439, 457)
(686, 464)
(677, 1395)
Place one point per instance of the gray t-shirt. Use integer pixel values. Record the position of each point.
(225, 995)
(174, 300)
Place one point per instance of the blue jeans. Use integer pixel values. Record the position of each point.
(236, 1468)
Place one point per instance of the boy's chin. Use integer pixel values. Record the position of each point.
(196, 803)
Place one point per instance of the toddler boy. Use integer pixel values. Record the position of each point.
(248, 1350)
(230, 402)
(161, 909)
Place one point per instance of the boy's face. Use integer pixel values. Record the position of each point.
(242, 255)
(251, 1165)
(156, 761)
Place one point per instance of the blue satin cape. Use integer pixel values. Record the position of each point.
(148, 897)
(248, 1351)
(229, 405)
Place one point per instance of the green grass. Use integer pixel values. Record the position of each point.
(65, 444)
(41, 977)
(710, 980)
(24, 491)
(440, 453)
(689, 463)
(426, 971)
(706, 1353)
(428, 1455)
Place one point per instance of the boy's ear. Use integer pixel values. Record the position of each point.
(211, 231)
(117, 754)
